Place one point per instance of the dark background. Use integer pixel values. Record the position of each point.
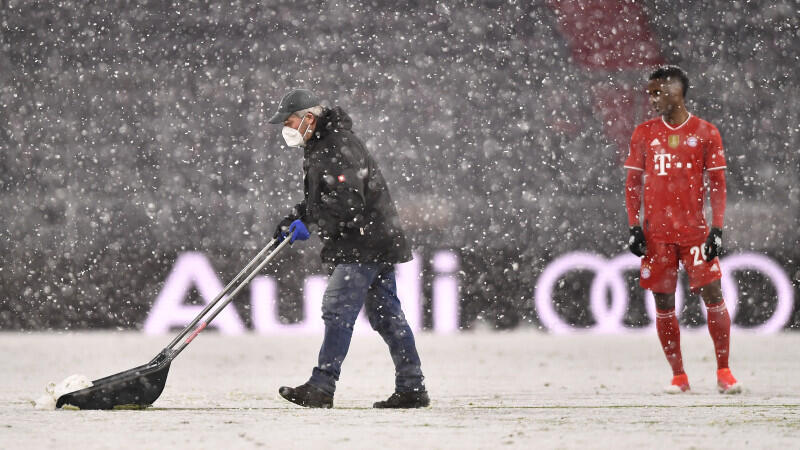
(132, 131)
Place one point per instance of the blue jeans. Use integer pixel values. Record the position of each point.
(373, 286)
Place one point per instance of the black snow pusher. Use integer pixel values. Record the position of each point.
(141, 386)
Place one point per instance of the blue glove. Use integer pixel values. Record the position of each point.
(279, 234)
(298, 231)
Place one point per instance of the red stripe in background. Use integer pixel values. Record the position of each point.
(607, 34)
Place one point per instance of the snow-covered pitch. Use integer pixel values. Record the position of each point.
(488, 390)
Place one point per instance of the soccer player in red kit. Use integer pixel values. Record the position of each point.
(669, 156)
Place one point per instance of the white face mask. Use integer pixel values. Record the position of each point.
(293, 137)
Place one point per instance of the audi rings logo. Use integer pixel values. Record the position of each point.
(608, 278)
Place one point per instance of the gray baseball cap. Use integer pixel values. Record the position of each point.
(295, 100)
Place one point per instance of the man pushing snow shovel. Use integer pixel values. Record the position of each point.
(347, 201)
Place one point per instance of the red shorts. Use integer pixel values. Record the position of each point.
(660, 267)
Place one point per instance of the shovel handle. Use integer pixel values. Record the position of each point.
(222, 294)
(196, 332)
(230, 297)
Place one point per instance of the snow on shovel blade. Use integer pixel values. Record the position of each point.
(135, 388)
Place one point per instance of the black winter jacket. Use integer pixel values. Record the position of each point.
(347, 198)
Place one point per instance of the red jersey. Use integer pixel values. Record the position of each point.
(674, 160)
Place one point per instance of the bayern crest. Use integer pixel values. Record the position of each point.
(645, 272)
(691, 141)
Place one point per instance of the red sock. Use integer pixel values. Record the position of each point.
(719, 327)
(669, 333)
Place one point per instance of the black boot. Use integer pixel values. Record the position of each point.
(307, 395)
(406, 399)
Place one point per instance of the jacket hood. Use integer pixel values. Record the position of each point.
(333, 119)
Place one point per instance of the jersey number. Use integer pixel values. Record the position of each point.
(699, 253)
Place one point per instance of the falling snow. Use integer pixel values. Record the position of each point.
(133, 131)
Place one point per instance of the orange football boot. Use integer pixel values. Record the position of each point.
(680, 383)
(726, 383)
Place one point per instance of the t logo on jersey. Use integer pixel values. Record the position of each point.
(662, 161)
(674, 140)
